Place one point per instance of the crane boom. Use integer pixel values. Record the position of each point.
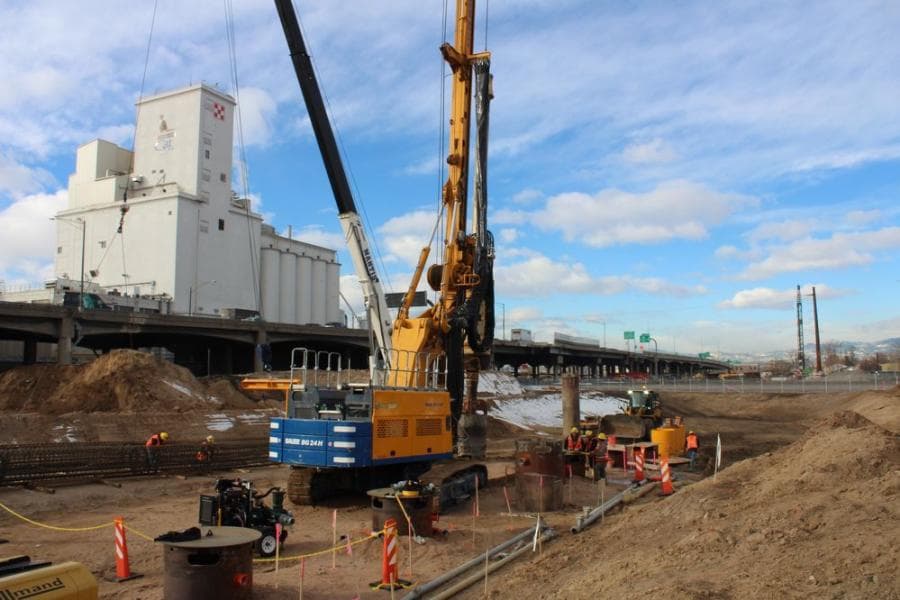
(351, 223)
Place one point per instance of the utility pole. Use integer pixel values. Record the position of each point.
(801, 355)
(816, 324)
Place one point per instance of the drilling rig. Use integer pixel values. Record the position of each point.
(421, 404)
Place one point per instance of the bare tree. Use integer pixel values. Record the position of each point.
(870, 364)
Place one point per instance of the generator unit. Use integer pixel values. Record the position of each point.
(237, 504)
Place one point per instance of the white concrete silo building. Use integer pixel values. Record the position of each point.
(163, 221)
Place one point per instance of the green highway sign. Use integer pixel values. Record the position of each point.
(645, 338)
(629, 335)
(703, 355)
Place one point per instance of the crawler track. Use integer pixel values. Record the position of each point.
(32, 463)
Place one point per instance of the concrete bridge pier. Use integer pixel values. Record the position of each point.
(64, 341)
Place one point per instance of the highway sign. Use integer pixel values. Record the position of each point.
(645, 338)
(629, 335)
(703, 355)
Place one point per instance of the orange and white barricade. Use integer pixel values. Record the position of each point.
(666, 477)
(390, 578)
(638, 465)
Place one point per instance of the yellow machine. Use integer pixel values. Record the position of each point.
(422, 401)
(65, 581)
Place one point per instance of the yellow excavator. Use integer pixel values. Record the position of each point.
(421, 403)
(641, 414)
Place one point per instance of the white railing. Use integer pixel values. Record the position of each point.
(328, 365)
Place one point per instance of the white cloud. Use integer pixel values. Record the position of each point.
(406, 235)
(527, 196)
(28, 241)
(858, 218)
(319, 236)
(506, 216)
(509, 235)
(838, 251)
(352, 292)
(524, 313)
(673, 210)
(540, 276)
(727, 251)
(257, 111)
(17, 179)
(654, 151)
(426, 166)
(783, 230)
(846, 159)
(763, 297)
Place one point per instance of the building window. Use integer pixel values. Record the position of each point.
(59, 249)
(204, 226)
(103, 243)
(221, 224)
(206, 154)
(222, 177)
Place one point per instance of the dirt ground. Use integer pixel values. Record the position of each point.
(806, 507)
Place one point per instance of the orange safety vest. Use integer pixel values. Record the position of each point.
(692, 442)
(154, 440)
(573, 443)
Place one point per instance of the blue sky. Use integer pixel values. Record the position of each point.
(676, 168)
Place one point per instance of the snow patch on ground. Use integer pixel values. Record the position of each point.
(178, 387)
(546, 410)
(67, 433)
(254, 418)
(498, 384)
(219, 422)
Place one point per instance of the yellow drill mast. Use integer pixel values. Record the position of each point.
(440, 329)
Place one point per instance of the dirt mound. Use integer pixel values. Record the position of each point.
(120, 381)
(818, 518)
(844, 418)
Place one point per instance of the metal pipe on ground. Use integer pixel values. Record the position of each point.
(479, 576)
(421, 590)
(624, 497)
(570, 401)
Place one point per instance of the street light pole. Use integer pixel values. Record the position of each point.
(83, 242)
(83, 237)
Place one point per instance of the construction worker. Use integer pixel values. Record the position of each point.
(205, 453)
(600, 447)
(692, 445)
(152, 447)
(573, 440)
(588, 443)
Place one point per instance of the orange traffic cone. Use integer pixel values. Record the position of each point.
(390, 579)
(123, 569)
(638, 465)
(666, 477)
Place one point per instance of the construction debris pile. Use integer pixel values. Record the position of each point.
(121, 381)
(757, 530)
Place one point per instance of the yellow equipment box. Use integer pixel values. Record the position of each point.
(65, 581)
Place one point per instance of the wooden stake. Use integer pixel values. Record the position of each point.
(302, 574)
(334, 539)
(277, 550)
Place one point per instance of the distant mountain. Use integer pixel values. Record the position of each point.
(841, 347)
